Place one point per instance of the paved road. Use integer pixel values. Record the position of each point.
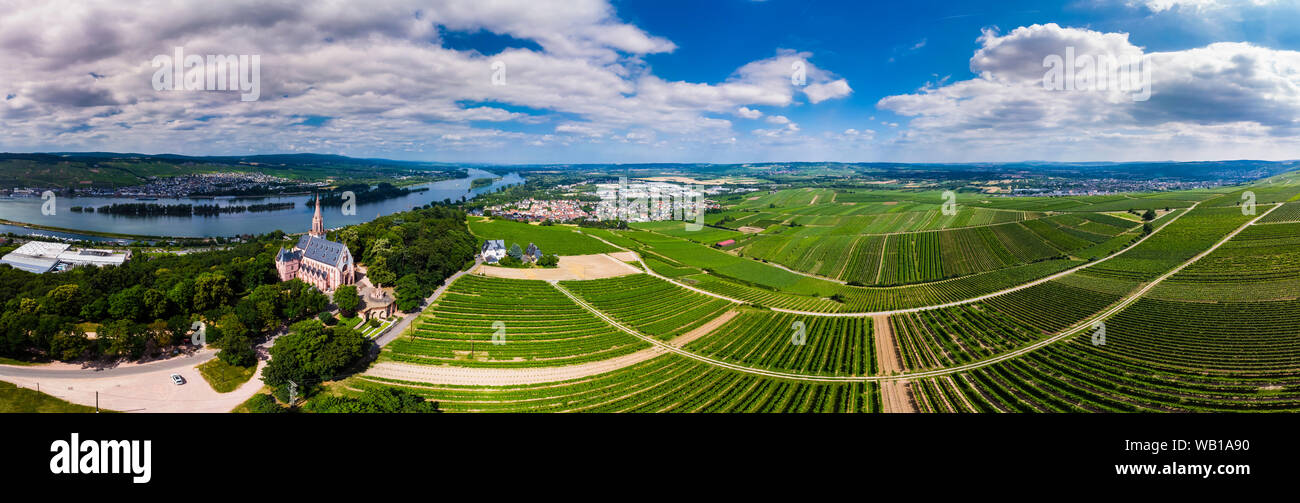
(67, 371)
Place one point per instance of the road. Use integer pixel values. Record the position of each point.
(135, 387)
(69, 371)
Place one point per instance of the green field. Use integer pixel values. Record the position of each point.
(552, 239)
(22, 400)
(490, 322)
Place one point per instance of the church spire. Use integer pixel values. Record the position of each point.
(317, 222)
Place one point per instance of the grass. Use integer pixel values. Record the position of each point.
(14, 399)
(244, 408)
(11, 361)
(349, 322)
(552, 239)
(224, 377)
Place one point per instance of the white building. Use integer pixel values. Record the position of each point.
(493, 250)
(43, 256)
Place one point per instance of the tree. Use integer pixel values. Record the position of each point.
(347, 299)
(268, 301)
(69, 345)
(182, 294)
(379, 272)
(120, 338)
(237, 350)
(1149, 216)
(211, 290)
(127, 304)
(409, 293)
(303, 301)
(312, 352)
(516, 252)
(156, 304)
(65, 300)
(548, 261)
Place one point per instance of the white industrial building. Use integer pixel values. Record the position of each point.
(42, 256)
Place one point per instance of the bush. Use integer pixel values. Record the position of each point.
(328, 319)
(264, 404)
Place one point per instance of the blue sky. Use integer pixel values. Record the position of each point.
(659, 81)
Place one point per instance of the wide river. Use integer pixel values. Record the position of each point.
(298, 219)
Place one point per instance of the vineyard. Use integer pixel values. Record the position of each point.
(840, 251)
(664, 384)
(1182, 239)
(649, 305)
(804, 344)
(1157, 356)
(967, 333)
(533, 323)
(1219, 335)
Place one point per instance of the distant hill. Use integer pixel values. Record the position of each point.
(111, 169)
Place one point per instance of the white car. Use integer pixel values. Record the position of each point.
(176, 378)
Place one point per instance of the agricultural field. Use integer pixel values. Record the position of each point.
(552, 239)
(968, 333)
(649, 305)
(1158, 356)
(1260, 263)
(534, 323)
(665, 384)
(824, 278)
(1182, 239)
(889, 243)
(815, 345)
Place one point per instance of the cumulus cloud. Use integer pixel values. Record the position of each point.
(1227, 96)
(748, 113)
(77, 76)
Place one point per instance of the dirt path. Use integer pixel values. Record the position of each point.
(704, 329)
(487, 376)
(571, 267)
(887, 359)
(896, 397)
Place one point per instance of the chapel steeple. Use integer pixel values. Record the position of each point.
(317, 222)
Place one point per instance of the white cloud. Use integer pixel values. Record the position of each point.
(1158, 6)
(822, 91)
(748, 113)
(379, 72)
(1223, 100)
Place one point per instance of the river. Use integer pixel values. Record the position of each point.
(298, 219)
